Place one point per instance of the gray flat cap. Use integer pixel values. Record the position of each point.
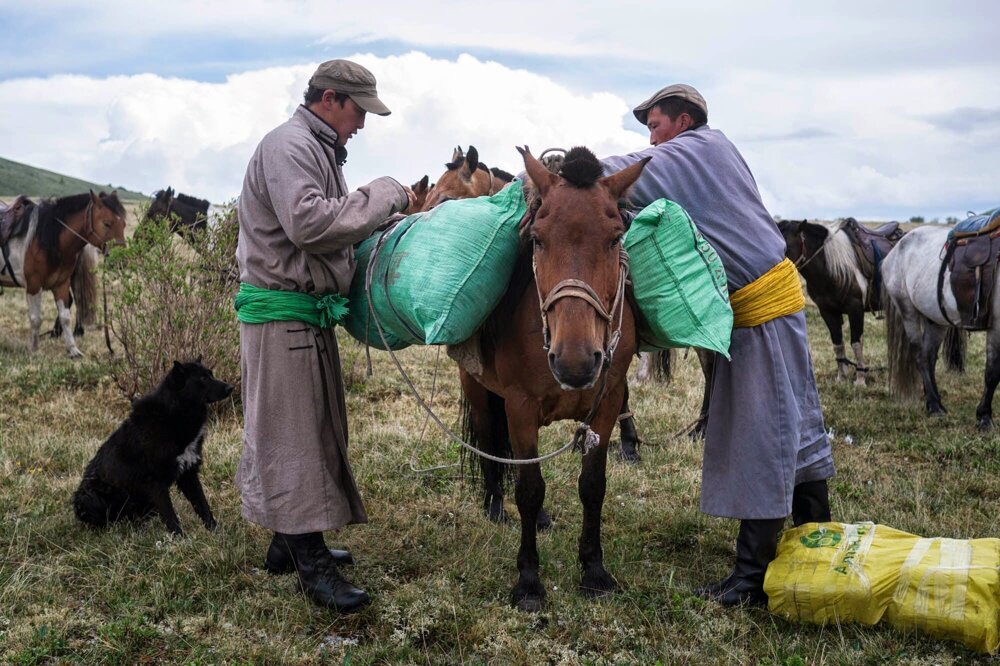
(682, 90)
(351, 79)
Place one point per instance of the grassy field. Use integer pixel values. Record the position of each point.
(439, 572)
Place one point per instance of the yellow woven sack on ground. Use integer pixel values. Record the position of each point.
(838, 572)
(951, 588)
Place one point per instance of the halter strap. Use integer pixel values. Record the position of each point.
(802, 262)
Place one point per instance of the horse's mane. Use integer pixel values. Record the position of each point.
(51, 211)
(501, 174)
(200, 204)
(841, 261)
(581, 168)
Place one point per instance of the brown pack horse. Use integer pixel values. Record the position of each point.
(43, 254)
(558, 347)
(466, 177)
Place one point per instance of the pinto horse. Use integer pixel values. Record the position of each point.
(46, 245)
(836, 283)
(185, 212)
(558, 346)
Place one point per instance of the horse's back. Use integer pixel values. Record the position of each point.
(910, 271)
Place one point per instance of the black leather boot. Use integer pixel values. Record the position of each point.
(318, 575)
(811, 503)
(755, 548)
(279, 561)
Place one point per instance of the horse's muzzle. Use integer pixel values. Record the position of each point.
(576, 372)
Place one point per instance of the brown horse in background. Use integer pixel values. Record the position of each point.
(45, 248)
(466, 178)
(184, 212)
(558, 346)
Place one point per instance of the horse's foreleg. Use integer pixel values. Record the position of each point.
(856, 319)
(835, 324)
(592, 483)
(35, 317)
(984, 411)
(529, 593)
(62, 298)
(630, 436)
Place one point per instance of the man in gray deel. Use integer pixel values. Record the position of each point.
(766, 450)
(298, 225)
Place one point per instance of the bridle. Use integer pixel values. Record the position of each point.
(88, 229)
(802, 261)
(584, 438)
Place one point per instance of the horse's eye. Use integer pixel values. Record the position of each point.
(616, 242)
(537, 243)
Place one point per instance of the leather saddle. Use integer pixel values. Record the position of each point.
(870, 247)
(12, 220)
(973, 264)
(971, 253)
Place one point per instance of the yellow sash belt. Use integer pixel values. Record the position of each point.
(774, 294)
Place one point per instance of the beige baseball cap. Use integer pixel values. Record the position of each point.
(351, 79)
(682, 90)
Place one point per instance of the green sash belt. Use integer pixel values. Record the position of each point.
(255, 305)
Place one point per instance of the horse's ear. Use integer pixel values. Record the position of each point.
(472, 159)
(457, 154)
(618, 183)
(96, 200)
(199, 358)
(421, 185)
(539, 175)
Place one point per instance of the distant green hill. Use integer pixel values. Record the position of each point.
(17, 178)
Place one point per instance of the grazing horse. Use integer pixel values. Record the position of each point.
(465, 178)
(44, 250)
(836, 283)
(558, 346)
(185, 212)
(918, 319)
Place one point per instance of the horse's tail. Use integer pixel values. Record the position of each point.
(903, 376)
(487, 432)
(664, 366)
(954, 347)
(84, 286)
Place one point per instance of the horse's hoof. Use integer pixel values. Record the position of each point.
(935, 412)
(629, 455)
(543, 522)
(75, 354)
(985, 424)
(530, 604)
(528, 597)
(495, 512)
(860, 382)
(598, 584)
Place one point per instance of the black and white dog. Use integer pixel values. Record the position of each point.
(159, 444)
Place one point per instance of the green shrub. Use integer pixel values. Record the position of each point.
(172, 299)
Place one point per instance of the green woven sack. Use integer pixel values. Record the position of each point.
(437, 275)
(678, 281)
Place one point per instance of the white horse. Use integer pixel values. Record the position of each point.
(916, 326)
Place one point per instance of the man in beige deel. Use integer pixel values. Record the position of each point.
(298, 225)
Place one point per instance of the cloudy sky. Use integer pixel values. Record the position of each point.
(880, 110)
